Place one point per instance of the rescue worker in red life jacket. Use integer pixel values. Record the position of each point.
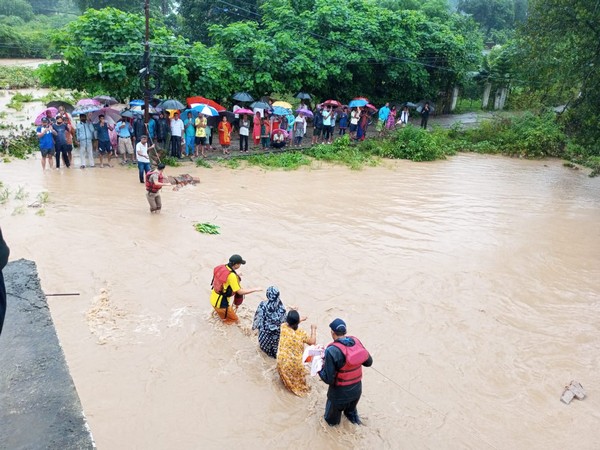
(225, 285)
(342, 371)
(154, 183)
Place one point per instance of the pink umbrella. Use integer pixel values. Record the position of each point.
(44, 113)
(87, 102)
(108, 113)
(306, 112)
(243, 111)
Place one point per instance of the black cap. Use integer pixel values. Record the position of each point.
(161, 166)
(236, 259)
(338, 326)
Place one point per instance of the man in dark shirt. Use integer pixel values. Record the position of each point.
(342, 371)
(60, 139)
(4, 252)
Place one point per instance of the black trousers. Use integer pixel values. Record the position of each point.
(333, 412)
(424, 122)
(176, 146)
(63, 150)
(2, 301)
(244, 141)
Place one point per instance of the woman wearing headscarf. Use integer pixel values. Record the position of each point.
(289, 353)
(268, 318)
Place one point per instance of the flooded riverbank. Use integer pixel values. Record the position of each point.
(472, 281)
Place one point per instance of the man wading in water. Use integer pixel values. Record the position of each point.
(154, 183)
(342, 371)
(226, 284)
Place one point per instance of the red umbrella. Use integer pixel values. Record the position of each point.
(371, 107)
(108, 113)
(333, 103)
(44, 113)
(362, 98)
(193, 101)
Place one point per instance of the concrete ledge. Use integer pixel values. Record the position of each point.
(39, 406)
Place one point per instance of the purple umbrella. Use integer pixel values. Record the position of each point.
(87, 102)
(306, 112)
(44, 113)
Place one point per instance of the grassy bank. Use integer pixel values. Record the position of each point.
(525, 136)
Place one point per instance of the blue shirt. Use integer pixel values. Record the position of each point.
(152, 128)
(46, 141)
(102, 132)
(124, 132)
(384, 113)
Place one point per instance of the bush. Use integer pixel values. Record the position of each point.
(415, 144)
(20, 146)
(288, 160)
(18, 77)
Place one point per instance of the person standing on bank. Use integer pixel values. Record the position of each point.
(4, 253)
(85, 136)
(177, 129)
(225, 285)
(425, 115)
(342, 371)
(143, 160)
(154, 183)
(45, 134)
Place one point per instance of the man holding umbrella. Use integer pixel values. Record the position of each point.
(85, 135)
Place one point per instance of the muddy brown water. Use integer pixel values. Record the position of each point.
(472, 281)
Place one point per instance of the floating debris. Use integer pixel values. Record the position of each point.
(182, 180)
(573, 390)
(207, 228)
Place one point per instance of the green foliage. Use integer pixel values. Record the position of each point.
(201, 162)
(490, 14)
(20, 146)
(171, 161)
(412, 143)
(345, 152)
(43, 197)
(207, 228)
(21, 193)
(12, 77)
(17, 100)
(16, 8)
(529, 136)
(559, 54)
(287, 160)
(4, 195)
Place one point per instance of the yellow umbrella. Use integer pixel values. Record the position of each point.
(171, 112)
(285, 105)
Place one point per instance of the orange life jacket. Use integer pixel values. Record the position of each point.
(151, 187)
(356, 355)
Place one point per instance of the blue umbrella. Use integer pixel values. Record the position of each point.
(357, 103)
(202, 109)
(136, 103)
(85, 109)
(280, 111)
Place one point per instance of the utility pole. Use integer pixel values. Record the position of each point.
(147, 64)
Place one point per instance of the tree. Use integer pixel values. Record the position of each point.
(198, 15)
(16, 8)
(560, 52)
(115, 39)
(490, 14)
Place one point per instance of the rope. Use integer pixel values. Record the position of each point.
(443, 414)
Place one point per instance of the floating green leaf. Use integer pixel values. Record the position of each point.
(207, 228)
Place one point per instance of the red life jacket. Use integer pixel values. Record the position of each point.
(151, 187)
(220, 274)
(351, 372)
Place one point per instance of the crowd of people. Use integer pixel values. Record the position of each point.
(192, 136)
(280, 337)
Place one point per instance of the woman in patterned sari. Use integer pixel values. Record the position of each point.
(289, 354)
(268, 318)
(224, 129)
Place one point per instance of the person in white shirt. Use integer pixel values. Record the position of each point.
(143, 160)
(404, 116)
(176, 133)
(244, 133)
(299, 129)
(354, 118)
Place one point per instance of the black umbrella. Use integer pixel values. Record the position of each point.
(57, 103)
(171, 104)
(106, 100)
(422, 103)
(409, 104)
(243, 97)
(230, 116)
(303, 95)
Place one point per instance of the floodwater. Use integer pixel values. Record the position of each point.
(472, 281)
